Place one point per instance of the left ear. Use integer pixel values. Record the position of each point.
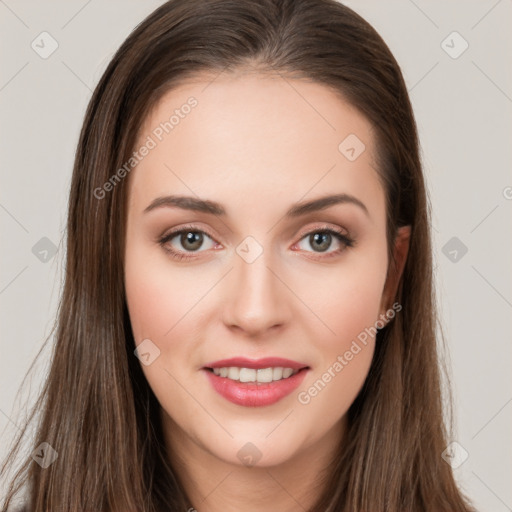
(396, 268)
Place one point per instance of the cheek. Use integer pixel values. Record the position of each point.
(157, 298)
(344, 298)
(151, 304)
(166, 303)
(347, 302)
(161, 308)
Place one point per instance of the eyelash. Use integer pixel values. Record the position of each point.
(179, 256)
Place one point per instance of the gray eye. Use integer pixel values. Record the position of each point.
(321, 240)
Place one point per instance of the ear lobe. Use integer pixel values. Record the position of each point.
(396, 268)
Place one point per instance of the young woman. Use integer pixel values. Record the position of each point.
(247, 321)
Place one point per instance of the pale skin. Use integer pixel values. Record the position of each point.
(257, 146)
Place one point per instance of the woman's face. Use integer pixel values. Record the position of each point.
(257, 273)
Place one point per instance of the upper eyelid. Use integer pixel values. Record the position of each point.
(324, 227)
(173, 233)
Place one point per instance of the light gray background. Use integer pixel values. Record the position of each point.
(463, 108)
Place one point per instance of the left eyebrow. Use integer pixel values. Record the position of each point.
(214, 208)
(324, 202)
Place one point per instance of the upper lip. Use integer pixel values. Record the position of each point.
(265, 362)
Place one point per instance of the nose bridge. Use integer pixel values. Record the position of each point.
(256, 302)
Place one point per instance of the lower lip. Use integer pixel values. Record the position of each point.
(250, 394)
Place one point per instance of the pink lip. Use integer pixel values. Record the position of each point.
(251, 394)
(256, 364)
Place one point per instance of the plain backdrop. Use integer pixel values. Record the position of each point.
(455, 57)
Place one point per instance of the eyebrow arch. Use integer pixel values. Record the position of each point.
(213, 208)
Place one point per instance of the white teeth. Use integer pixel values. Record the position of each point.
(233, 373)
(260, 375)
(287, 372)
(277, 374)
(264, 375)
(247, 375)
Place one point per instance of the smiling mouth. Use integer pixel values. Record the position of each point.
(255, 375)
(255, 382)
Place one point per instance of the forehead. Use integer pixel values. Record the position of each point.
(262, 136)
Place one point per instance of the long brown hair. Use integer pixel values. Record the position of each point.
(96, 408)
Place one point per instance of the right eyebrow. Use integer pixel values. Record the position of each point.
(187, 203)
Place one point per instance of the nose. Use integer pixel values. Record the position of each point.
(258, 300)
